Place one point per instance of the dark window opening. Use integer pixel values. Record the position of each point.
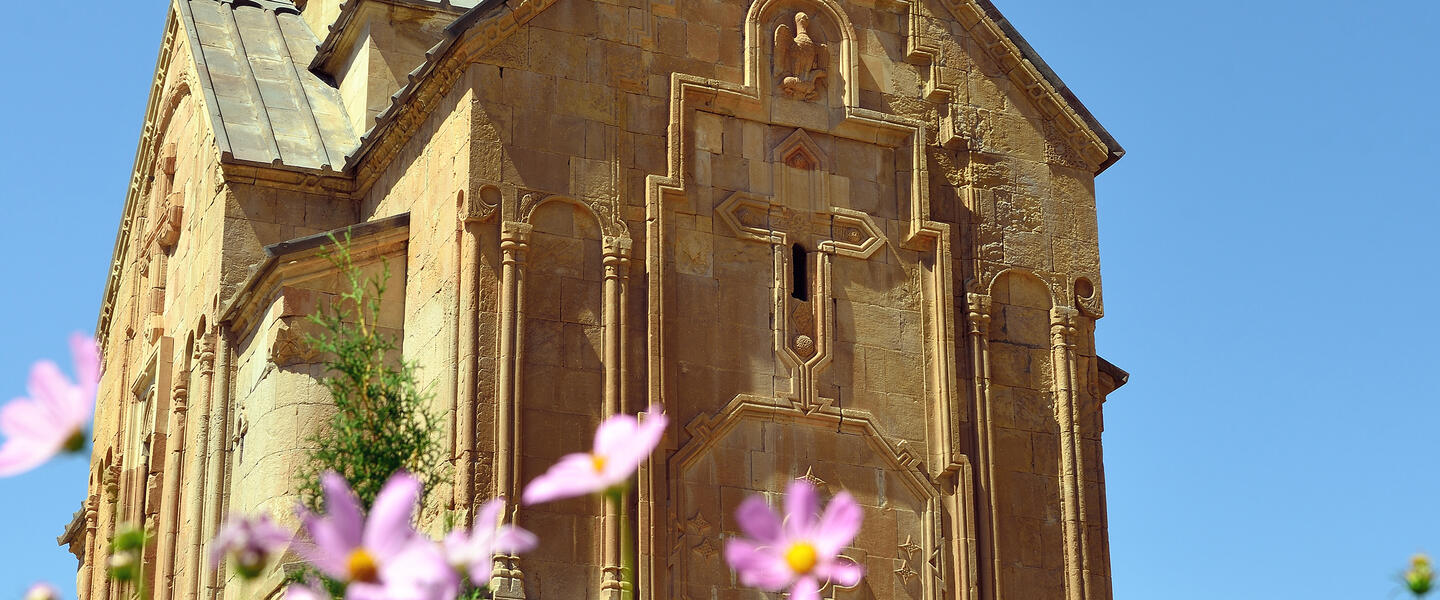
(801, 267)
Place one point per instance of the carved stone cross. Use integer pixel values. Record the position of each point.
(799, 222)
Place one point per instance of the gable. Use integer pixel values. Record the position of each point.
(491, 22)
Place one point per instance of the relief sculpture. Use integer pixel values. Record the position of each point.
(801, 62)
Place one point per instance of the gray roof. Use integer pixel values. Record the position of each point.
(265, 105)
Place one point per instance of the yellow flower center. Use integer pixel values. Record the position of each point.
(598, 462)
(362, 567)
(801, 557)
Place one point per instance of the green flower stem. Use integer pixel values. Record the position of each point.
(628, 560)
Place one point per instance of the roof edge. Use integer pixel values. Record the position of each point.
(283, 252)
(1116, 150)
(144, 152)
(418, 77)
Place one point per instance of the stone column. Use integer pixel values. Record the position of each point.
(84, 580)
(616, 257)
(170, 509)
(1062, 344)
(219, 496)
(978, 319)
(111, 515)
(508, 582)
(466, 359)
(195, 509)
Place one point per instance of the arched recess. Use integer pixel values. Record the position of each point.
(757, 445)
(562, 377)
(758, 40)
(1027, 440)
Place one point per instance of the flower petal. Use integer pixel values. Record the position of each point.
(758, 521)
(757, 566)
(229, 537)
(802, 505)
(269, 536)
(419, 572)
(626, 458)
(573, 476)
(86, 354)
(47, 385)
(342, 509)
(614, 434)
(480, 572)
(30, 420)
(62, 403)
(839, 525)
(390, 528)
(805, 588)
(368, 591)
(19, 455)
(843, 572)
(510, 539)
(297, 591)
(328, 549)
(489, 515)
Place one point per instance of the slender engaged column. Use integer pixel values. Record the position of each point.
(616, 256)
(195, 508)
(466, 356)
(1062, 344)
(219, 390)
(979, 332)
(84, 580)
(170, 510)
(508, 581)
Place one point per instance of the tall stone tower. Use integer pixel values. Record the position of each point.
(851, 241)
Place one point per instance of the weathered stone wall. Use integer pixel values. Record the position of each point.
(430, 180)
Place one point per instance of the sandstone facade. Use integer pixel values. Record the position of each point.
(847, 240)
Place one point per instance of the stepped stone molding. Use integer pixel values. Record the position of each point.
(707, 433)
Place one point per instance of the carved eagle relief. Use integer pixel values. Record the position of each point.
(801, 62)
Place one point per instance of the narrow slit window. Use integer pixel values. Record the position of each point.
(801, 266)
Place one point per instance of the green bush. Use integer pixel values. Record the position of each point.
(381, 423)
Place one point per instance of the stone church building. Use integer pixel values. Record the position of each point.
(852, 241)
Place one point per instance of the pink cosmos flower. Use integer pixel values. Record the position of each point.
(42, 591)
(250, 542)
(473, 552)
(800, 551)
(305, 591)
(382, 557)
(622, 442)
(55, 415)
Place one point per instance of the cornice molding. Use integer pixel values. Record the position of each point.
(146, 152)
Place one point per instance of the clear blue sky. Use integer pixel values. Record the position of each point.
(1267, 249)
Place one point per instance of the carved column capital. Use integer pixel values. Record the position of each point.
(111, 479)
(92, 512)
(179, 396)
(980, 307)
(617, 255)
(515, 240)
(1064, 323)
(205, 355)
